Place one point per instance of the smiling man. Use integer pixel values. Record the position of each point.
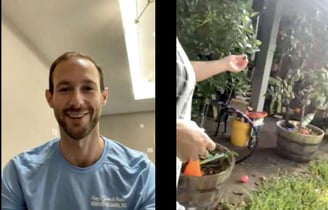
(82, 169)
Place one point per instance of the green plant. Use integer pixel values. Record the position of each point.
(301, 51)
(279, 92)
(208, 30)
(312, 90)
(293, 192)
(304, 90)
(219, 165)
(320, 169)
(308, 190)
(302, 39)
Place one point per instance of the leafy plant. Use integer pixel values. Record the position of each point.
(219, 165)
(306, 91)
(208, 30)
(303, 191)
(280, 92)
(302, 39)
(301, 53)
(312, 90)
(294, 192)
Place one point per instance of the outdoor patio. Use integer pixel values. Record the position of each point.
(264, 162)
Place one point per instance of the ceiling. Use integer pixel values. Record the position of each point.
(94, 27)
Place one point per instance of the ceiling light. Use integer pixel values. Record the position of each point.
(142, 87)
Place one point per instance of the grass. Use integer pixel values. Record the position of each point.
(305, 191)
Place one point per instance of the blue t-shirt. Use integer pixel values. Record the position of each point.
(41, 179)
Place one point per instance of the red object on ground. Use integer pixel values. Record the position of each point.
(305, 131)
(244, 179)
(193, 168)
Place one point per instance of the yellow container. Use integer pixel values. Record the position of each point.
(239, 133)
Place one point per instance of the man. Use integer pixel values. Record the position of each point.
(81, 170)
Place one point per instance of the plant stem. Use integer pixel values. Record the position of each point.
(302, 118)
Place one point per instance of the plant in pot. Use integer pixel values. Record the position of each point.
(297, 138)
(210, 30)
(301, 46)
(203, 191)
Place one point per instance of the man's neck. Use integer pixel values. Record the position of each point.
(83, 152)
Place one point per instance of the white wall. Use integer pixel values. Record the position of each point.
(136, 130)
(27, 120)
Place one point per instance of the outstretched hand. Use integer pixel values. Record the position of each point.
(192, 141)
(236, 63)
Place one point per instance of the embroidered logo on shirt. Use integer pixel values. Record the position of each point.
(104, 201)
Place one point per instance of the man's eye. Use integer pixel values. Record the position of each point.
(63, 89)
(87, 88)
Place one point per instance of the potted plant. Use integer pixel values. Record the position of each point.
(202, 192)
(211, 30)
(301, 45)
(297, 138)
(300, 61)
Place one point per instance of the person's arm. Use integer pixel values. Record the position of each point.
(191, 140)
(206, 69)
(148, 189)
(11, 193)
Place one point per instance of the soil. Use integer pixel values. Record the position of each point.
(305, 130)
(215, 166)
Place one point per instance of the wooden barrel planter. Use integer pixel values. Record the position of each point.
(203, 192)
(296, 146)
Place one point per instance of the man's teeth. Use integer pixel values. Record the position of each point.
(76, 115)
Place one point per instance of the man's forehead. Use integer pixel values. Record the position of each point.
(73, 69)
(76, 65)
(76, 61)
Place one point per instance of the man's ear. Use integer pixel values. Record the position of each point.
(104, 96)
(49, 98)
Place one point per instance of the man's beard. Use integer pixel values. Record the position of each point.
(83, 131)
